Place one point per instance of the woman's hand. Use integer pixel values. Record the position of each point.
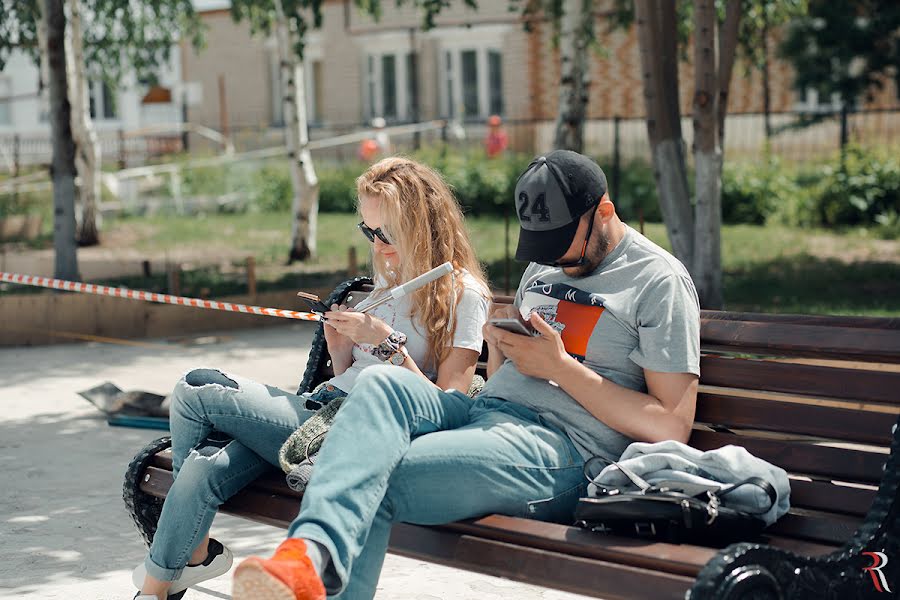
(340, 347)
(360, 328)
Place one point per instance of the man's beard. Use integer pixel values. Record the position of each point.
(597, 250)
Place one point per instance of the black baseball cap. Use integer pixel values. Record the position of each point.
(551, 196)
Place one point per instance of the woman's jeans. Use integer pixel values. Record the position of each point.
(226, 432)
(402, 450)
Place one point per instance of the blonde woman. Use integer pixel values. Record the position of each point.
(227, 430)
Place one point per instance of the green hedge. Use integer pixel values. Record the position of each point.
(862, 189)
(752, 193)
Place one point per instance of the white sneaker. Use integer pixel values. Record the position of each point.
(218, 562)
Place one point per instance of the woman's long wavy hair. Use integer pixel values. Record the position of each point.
(425, 223)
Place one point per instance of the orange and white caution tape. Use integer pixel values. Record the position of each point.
(117, 292)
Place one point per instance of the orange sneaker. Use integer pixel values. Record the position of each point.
(288, 575)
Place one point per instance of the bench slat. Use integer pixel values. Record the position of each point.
(822, 495)
(817, 526)
(589, 577)
(789, 319)
(805, 380)
(819, 341)
(845, 424)
(801, 457)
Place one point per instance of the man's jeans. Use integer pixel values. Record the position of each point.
(226, 431)
(402, 450)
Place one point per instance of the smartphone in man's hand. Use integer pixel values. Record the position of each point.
(514, 324)
(313, 303)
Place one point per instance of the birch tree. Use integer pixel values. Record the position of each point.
(719, 30)
(62, 169)
(87, 145)
(576, 35)
(288, 21)
(116, 37)
(305, 206)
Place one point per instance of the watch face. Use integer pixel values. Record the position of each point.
(397, 358)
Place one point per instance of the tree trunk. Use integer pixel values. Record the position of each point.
(767, 90)
(656, 28)
(305, 207)
(63, 165)
(575, 35)
(707, 265)
(87, 146)
(728, 41)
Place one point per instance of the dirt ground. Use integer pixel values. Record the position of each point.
(64, 532)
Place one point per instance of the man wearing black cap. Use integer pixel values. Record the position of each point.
(618, 355)
(617, 360)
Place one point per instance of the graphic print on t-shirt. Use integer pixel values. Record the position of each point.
(573, 313)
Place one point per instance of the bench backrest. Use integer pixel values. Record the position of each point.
(814, 395)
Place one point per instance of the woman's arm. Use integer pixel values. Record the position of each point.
(457, 369)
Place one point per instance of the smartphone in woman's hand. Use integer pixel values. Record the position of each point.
(312, 301)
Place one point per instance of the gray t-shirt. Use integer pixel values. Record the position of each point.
(638, 310)
(468, 316)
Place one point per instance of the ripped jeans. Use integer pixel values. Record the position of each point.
(226, 432)
(428, 457)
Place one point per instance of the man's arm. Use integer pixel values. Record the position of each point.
(665, 412)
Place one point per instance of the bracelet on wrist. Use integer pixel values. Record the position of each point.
(390, 346)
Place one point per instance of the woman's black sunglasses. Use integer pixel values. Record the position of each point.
(371, 234)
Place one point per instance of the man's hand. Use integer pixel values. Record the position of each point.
(500, 311)
(542, 357)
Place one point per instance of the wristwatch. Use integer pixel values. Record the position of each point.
(398, 357)
(391, 349)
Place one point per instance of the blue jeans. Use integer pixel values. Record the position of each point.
(226, 432)
(402, 450)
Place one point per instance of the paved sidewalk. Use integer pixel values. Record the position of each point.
(64, 533)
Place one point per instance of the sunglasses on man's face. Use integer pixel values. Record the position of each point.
(371, 234)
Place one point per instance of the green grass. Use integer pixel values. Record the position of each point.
(767, 269)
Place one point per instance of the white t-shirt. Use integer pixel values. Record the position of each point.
(469, 316)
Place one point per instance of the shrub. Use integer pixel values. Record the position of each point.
(337, 187)
(271, 189)
(752, 193)
(864, 190)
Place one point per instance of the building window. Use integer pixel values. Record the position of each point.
(412, 86)
(473, 83)
(102, 100)
(469, 63)
(5, 102)
(495, 82)
(312, 72)
(389, 85)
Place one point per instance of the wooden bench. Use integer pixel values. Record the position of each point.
(818, 396)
